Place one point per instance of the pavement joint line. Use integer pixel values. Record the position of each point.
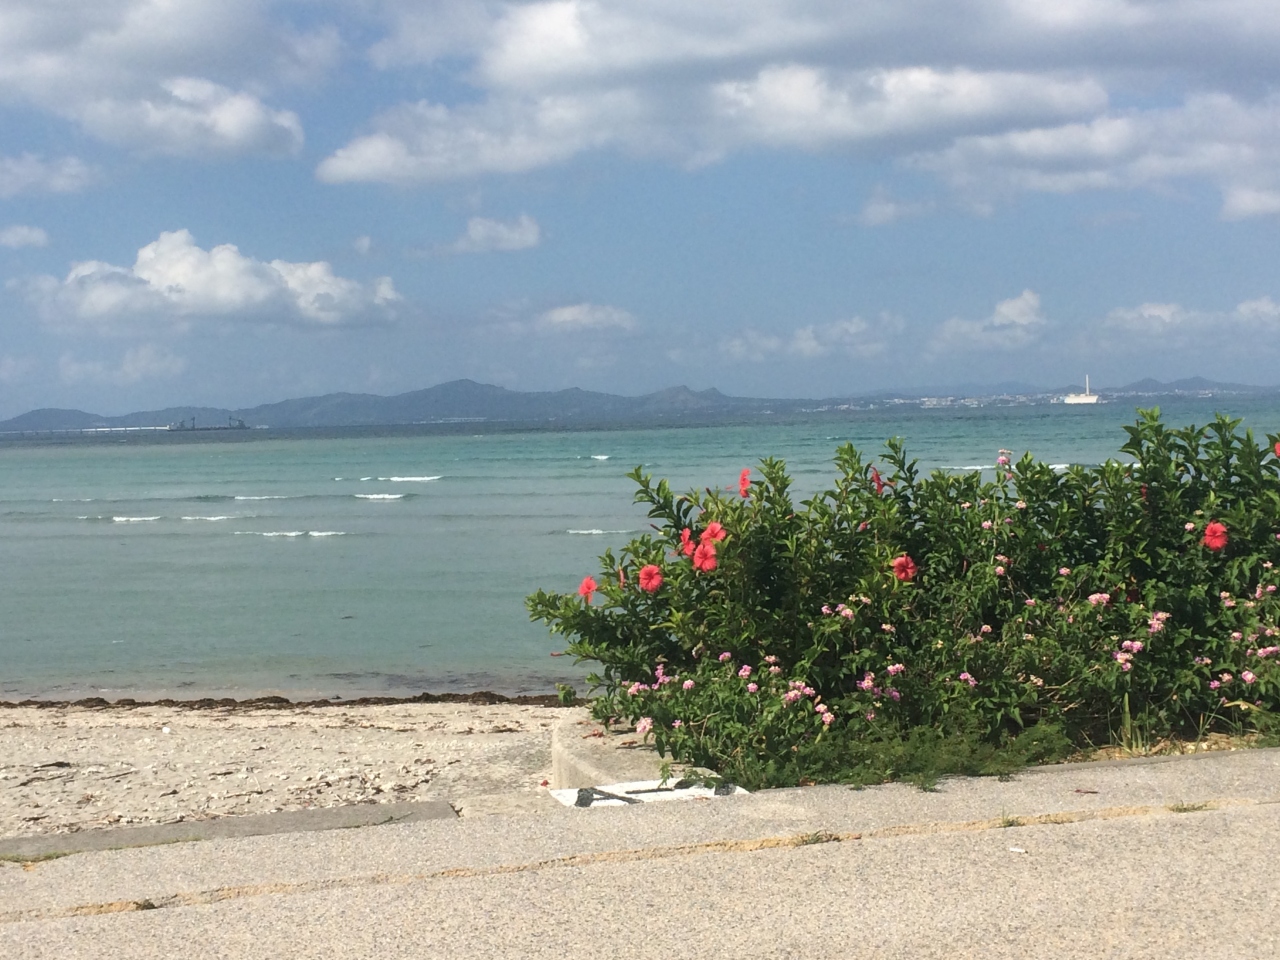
(219, 894)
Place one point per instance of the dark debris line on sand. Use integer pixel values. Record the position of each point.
(482, 698)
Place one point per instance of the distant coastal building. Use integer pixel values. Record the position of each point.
(1085, 397)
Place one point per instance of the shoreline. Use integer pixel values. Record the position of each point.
(277, 702)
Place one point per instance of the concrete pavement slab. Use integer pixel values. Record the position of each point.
(1191, 885)
(295, 864)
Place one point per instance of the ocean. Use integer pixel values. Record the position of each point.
(392, 564)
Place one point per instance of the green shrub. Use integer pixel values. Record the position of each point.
(891, 614)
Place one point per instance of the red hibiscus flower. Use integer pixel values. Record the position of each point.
(704, 557)
(744, 483)
(875, 478)
(1215, 535)
(1278, 448)
(714, 531)
(904, 568)
(686, 542)
(587, 588)
(650, 578)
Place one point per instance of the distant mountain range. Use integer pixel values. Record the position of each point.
(466, 400)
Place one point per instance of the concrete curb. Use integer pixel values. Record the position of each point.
(288, 821)
(585, 754)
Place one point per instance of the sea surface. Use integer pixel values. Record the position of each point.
(390, 565)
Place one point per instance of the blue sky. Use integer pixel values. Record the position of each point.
(237, 201)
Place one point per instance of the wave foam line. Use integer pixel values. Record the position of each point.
(134, 519)
(599, 456)
(272, 497)
(379, 496)
(409, 479)
(291, 533)
(595, 532)
(209, 518)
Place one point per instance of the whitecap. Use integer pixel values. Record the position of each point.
(134, 519)
(291, 533)
(409, 479)
(208, 518)
(599, 456)
(595, 532)
(73, 500)
(379, 496)
(972, 466)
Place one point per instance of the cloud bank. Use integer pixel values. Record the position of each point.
(174, 283)
(991, 97)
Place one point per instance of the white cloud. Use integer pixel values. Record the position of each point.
(1250, 326)
(31, 173)
(145, 362)
(485, 236)
(163, 77)
(881, 209)
(1216, 137)
(23, 236)
(845, 338)
(752, 346)
(806, 107)
(425, 141)
(584, 316)
(174, 282)
(190, 116)
(1015, 323)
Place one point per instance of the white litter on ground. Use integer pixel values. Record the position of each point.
(642, 791)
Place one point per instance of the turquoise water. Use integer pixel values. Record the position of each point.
(304, 566)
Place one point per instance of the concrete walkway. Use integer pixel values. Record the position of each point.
(1166, 858)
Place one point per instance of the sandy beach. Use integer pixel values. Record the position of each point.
(66, 768)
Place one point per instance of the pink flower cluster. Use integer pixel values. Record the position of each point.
(840, 611)
(968, 678)
(1096, 599)
(797, 690)
(1157, 621)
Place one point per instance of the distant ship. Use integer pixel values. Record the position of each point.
(233, 423)
(1085, 397)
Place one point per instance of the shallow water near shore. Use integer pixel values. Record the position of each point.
(389, 565)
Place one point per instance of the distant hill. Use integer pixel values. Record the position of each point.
(461, 400)
(456, 400)
(1189, 385)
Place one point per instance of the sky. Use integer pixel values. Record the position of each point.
(231, 202)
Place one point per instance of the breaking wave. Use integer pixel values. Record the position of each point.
(291, 533)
